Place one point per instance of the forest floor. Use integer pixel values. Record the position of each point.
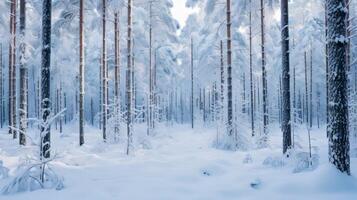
(181, 164)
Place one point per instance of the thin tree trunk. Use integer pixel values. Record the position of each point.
(192, 106)
(311, 108)
(306, 92)
(151, 81)
(1, 89)
(128, 81)
(327, 64)
(229, 71)
(23, 75)
(60, 107)
(222, 83)
(104, 65)
(286, 125)
(81, 73)
(12, 70)
(251, 68)
(117, 73)
(264, 75)
(338, 95)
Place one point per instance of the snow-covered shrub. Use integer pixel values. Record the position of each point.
(275, 162)
(248, 159)
(4, 172)
(303, 162)
(234, 142)
(34, 177)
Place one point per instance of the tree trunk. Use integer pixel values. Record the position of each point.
(104, 65)
(60, 107)
(151, 80)
(12, 70)
(286, 124)
(337, 85)
(81, 73)
(117, 74)
(251, 68)
(264, 75)
(45, 76)
(311, 108)
(306, 92)
(128, 81)
(1, 89)
(229, 71)
(23, 75)
(192, 106)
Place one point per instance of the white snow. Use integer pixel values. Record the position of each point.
(179, 163)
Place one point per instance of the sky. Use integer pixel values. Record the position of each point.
(180, 12)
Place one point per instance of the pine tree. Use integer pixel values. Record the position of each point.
(337, 42)
(286, 113)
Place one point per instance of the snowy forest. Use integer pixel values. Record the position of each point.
(119, 99)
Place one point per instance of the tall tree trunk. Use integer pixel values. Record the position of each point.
(326, 63)
(1, 89)
(243, 95)
(222, 83)
(100, 92)
(229, 71)
(251, 68)
(104, 66)
(128, 80)
(23, 75)
(337, 85)
(286, 124)
(311, 108)
(264, 75)
(12, 70)
(61, 107)
(117, 73)
(306, 92)
(151, 80)
(192, 105)
(81, 73)
(45, 76)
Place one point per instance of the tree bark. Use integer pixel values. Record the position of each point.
(128, 80)
(286, 113)
(251, 68)
(81, 73)
(45, 76)
(192, 105)
(229, 71)
(104, 66)
(264, 75)
(337, 42)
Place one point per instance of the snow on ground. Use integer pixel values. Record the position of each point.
(179, 164)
